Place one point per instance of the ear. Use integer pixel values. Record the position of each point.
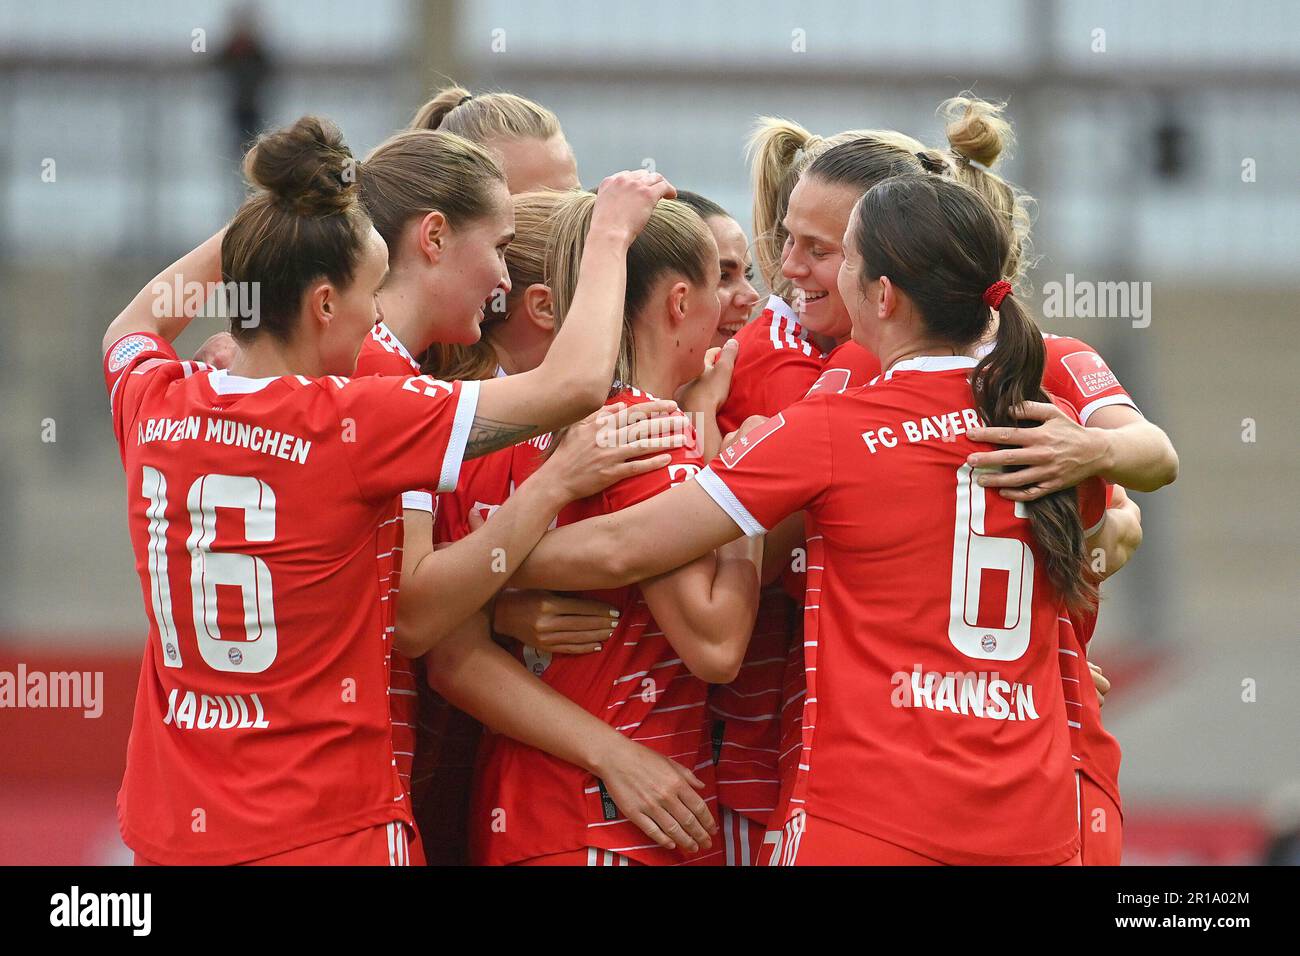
(431, 236)
(539, 307)
(677, 293)
(889, 302)
(320, 305)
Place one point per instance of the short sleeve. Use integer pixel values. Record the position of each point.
(127, 364)
(1076, 372)
(777, 469)
(403, 433)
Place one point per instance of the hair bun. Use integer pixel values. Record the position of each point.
(307, 167)
(976, 129)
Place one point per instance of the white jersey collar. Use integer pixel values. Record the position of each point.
(932, 363)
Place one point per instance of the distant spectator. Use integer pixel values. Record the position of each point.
(247, 68)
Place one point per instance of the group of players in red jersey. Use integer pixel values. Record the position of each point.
(524, 616)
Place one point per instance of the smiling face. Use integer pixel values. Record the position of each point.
(531, 164)
(816, 219)
(736, 294)
(472, 267)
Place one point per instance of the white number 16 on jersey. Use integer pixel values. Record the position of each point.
(973, 553)
(210, 569)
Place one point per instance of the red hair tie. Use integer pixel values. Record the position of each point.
(995, 293)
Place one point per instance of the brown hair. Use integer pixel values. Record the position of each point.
(704, 207)
(978, 137)
(526, 262)
(779, 151)
(416, 171)
(303, 221)
(675, 240)
(941, 243)
(484, 117)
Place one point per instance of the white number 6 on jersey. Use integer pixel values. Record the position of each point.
(973, 553)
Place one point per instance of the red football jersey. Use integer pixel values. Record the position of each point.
(527, 803)
(775, 366)
(846, 366)
(382, 353)
(449, 737)
(933, 717)
(255, 509)
(1076, 373)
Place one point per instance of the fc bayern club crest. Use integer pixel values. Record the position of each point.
(127, 349)
(989, 643)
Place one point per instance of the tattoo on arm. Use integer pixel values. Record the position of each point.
(487, 435)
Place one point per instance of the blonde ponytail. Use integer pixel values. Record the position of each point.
(979, 136)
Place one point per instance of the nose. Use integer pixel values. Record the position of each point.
(792, 264)
(504, 284)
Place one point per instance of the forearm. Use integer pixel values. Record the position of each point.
(1138, 455)
(645, 540)
(201, 265)
(482, 679)
(1115, 542)
(450, 584)
(580, 361)
(704, 418)
(779, 546)
(707, 610)
(592, 555)
(728, 618)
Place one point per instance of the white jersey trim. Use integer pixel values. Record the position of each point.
(1087, 411)
(460, 427)
(418, 500)
(223, 383)
(717, 489)
(381, 330)
(931, 363)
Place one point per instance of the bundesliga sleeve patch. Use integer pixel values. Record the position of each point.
(1090, 373)
(742, 446)
(833, 380)
(127, 349)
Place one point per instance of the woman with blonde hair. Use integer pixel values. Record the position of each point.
(670, 636)
(524, 137)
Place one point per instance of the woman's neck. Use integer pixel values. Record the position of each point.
(891, 355)
(266, 356)
(405, 315)
(514, 353)
(655, 370)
